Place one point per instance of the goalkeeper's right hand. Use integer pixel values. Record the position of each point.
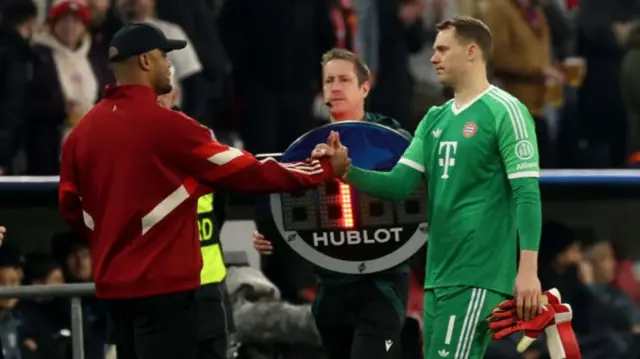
(262, 245)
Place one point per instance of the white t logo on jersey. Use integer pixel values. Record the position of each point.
(449, 160)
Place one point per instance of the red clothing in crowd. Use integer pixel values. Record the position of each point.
(625, 279)
(131, 175)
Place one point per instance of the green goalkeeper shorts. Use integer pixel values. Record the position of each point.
(454, 321)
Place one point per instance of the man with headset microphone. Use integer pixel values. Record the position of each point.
(347, 327)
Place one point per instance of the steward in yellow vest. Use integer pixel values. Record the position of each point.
(214, 310)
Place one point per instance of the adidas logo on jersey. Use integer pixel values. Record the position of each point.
(437, 133)
(443, 353)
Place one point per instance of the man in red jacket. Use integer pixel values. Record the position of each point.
(131, 174)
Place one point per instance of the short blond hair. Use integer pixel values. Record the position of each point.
(362, 70)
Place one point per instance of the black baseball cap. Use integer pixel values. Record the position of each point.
(140, 37)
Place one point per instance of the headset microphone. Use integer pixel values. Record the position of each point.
(328, 104)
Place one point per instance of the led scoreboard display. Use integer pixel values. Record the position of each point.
(341, 229)
(337, 206)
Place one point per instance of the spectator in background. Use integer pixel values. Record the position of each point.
(562, 266)
(522, 60)
(187, 77)
(10, 255)
(65, 86)
(345, 23)
(16, 68)
(198, 19)
(98, 9)
(401, 35)
(428, 91)
(45, 322)
(625, 276)
(274, 46)
(9, 321)
(559, 28)
(603, 29)
(616, 315)
(104, 24)
(580, 265)
(74, 256)
(630, 79)
(367, 42)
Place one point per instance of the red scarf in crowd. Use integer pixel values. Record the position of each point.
(345, 24)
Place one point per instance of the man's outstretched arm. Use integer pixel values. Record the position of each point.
(401, 181)
(193, 149)
(393, 186)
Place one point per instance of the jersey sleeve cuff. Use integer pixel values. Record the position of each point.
(524, 174)
(413, 164)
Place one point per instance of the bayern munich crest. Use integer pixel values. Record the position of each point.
(469, 129)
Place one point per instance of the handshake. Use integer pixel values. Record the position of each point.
(338, 154)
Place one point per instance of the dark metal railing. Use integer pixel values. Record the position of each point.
(75, 291)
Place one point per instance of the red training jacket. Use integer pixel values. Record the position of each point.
(130, 178)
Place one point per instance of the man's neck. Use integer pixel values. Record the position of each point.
(133, 80)
(470, 89)
(347, 116)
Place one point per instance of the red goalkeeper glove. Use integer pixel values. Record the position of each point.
(555, 321)
(561, 340)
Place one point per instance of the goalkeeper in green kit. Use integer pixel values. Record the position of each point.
(479, 157)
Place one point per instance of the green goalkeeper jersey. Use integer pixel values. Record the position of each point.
(468, 155)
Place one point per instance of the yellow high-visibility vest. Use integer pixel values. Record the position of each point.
(213, 268)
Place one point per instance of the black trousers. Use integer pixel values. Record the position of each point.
(362, 320)
(215, 317)
(156, 327)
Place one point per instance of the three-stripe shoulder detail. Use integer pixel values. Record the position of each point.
(514, 112)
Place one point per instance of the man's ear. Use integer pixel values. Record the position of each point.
(365, 88)
(473, 51)
(144, 61)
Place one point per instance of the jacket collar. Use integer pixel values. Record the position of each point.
(131, 92)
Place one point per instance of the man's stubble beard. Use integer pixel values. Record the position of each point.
(164, 89)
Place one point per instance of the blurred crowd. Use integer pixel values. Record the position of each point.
(41, 328)
(598, 280)
(251, 70)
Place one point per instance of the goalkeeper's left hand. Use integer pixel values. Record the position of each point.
(528, 293)
(554, 320)
(504, 324)
(504, 320)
